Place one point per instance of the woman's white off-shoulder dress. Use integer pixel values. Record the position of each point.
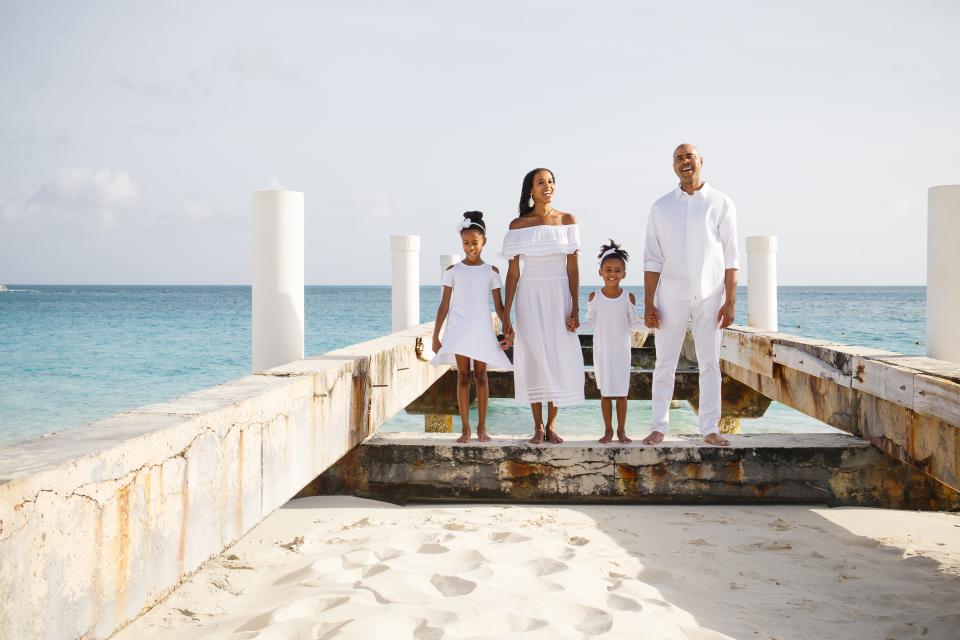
(469, 330)
(547, 360)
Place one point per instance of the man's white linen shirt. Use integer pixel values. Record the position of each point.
(691, 240)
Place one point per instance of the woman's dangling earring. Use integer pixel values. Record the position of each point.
(530, 201)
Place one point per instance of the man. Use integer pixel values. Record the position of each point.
(690, 262)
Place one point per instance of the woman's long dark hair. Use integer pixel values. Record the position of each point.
(527, 187)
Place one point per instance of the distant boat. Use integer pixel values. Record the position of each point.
(3, 288)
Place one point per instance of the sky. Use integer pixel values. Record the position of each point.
(132, 134)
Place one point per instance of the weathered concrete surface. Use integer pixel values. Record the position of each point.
(441, 397)
(908, 406)
(825, 468)
(100, 522)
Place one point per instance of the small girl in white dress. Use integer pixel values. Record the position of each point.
(611, 312)
(469, 334)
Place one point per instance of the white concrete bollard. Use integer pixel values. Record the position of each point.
(943, 267)
(405, 280)
(762, 282)
(277, 315)
(447, 261)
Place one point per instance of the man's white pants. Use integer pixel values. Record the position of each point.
(675, 315)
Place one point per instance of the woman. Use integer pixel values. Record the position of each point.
(548, 362)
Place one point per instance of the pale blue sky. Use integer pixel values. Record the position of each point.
(132, 133)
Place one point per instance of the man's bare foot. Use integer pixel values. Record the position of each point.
(716, 439)
(552, 436)
(482, 434)
(655, 437)
(465, 437)
(622, 437)
(607, 437)
(538, 436)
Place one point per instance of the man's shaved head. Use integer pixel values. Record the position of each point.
(685, 147)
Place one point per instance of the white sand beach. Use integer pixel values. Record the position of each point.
(342, 567)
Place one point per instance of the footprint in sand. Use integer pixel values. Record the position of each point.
(303, 608)
(595, 622)
(374, 570)
(432, 548)
(425, 632)
(359, 524)
(699, 542)
(546, 566)
(780, 525)
(623, 603)
(452, 586)
(578, 541)
(507, 536)
(329, 630)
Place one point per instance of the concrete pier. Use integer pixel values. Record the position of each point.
(824, 468)
(100, 522)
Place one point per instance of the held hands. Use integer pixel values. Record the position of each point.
(508, 335)
(573, 322)
(651, 317)
(725, 315)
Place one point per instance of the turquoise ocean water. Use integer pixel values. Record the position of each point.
(71, 354)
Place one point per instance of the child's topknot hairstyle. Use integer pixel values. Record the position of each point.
(612, 250)
(473, 220)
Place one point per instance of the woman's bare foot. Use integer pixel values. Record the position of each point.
(622, 437)
(538, 436)
(552, 436)
(482, 434)
(607, 436)
(716, 439)
(655, 437)
(465, 437)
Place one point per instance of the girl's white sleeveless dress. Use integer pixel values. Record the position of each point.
(469, 330)
(547, 360)
(612, 320)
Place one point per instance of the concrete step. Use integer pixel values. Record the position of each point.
(835, 469)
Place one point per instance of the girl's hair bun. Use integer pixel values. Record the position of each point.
(474, 220)
(612, 250)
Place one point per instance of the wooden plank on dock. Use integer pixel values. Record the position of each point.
(937, 397)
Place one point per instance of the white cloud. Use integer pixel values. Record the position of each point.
(104, 194)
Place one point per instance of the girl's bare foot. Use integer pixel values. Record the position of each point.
(622, 437)
(482, 434)
(607, 436)
(538, 436)
(655, 437)
(552, 436)
(716, 439)
(465, 437)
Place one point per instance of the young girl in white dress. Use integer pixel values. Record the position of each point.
(612, 314)
(469, 335)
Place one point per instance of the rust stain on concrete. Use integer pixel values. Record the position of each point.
(734, 471)
(122, 548)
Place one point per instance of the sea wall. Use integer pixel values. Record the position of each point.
(100, 522)
(906, 406)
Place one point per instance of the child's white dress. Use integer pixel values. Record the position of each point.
(612, 320)
(469, 330)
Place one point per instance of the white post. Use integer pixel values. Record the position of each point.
(405, 293)
(762, 282)
(943, 267)
(277, 278)
(447, 261)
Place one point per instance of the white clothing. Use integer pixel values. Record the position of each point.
(548, 362)
(469, 327)
(674, 317)
(612, 320)
(691, 240)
